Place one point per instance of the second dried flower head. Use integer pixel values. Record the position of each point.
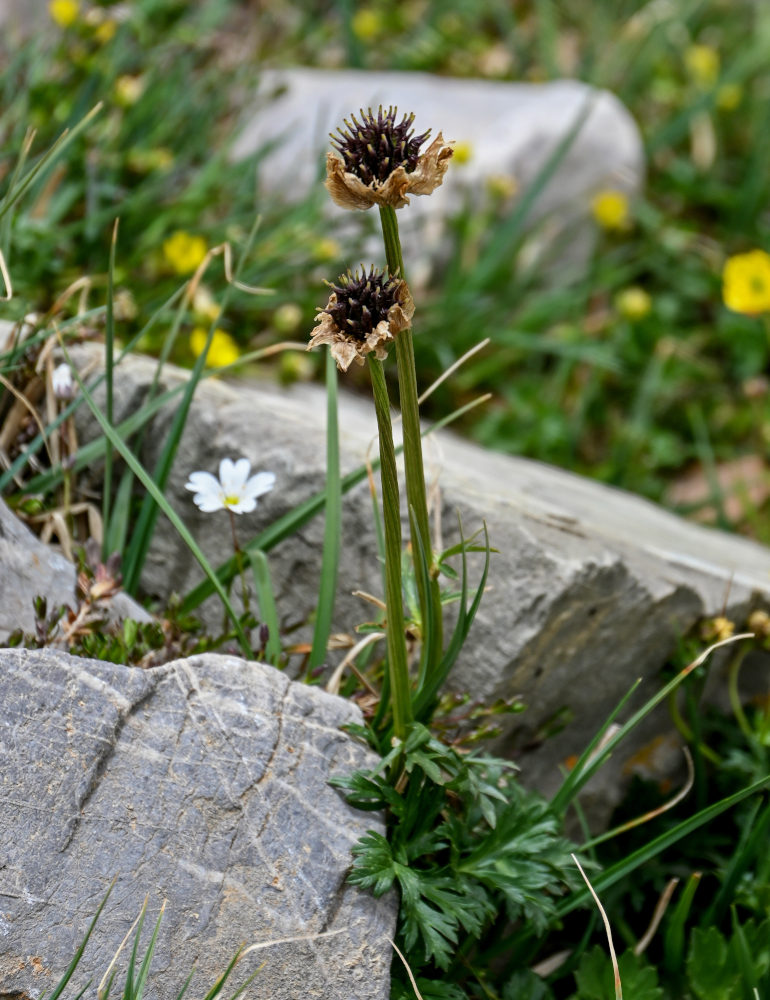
(364, 314)
(377, 161)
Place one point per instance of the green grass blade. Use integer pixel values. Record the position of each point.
(267, 609)
(673, 941)
(146, 480)
(753, 844)
(587, 767)
(147, 961)
(145, 525)
(424, 699)
(61, 985)
(109, 371)
(116, 532)
(330, 557)
(430, 627)
(624, 868)
(573, 782)
(129, 992)
(12, 196)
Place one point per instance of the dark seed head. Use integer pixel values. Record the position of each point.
(374, 147)
(363, 301)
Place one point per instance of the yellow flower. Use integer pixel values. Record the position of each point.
(729, 96)
(184, 252)
(633, 303)
(746, 283)
(64, 12)
(463, 152)
(223, 349)
(128, 89)
(610, 209)
(702, 62)
(366, 24)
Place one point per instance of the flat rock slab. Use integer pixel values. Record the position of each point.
(205, 783)
(508, 131)
(590, 588)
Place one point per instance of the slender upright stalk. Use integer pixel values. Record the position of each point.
(394, 632)
(239, 559)
(410, 415)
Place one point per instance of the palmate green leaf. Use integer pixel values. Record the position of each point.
(368, 791)
(711, 967)
(373, 866)
(596, 979)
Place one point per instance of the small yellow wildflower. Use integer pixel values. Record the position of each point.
(128, 89)
(64, 12)
(759, 623)
(717, 629)
(746, 283)
(367, 24)
(463, 152)
(610, 209)
(702, 62)
(223, 349)
(729, 96)
(633, 303)
(184, 252)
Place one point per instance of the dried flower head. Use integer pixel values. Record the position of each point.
(377, 161)
(363, 315)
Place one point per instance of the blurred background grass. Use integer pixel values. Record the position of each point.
(636, 373)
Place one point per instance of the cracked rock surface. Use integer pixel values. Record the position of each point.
(203, 782)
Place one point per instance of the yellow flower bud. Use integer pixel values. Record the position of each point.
(611, 210)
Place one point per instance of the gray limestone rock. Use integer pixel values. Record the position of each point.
(203, 782)
(29, 569)
(509, 130)
(590, 588)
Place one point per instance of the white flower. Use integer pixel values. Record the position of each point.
(62, 382)
(234, 490)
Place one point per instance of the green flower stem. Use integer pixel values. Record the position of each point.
(239, 559)
(396, 643)
(410, 415)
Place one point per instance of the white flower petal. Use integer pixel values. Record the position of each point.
(202, 482)
(261, 483)
(208, 502)
(233, 475)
